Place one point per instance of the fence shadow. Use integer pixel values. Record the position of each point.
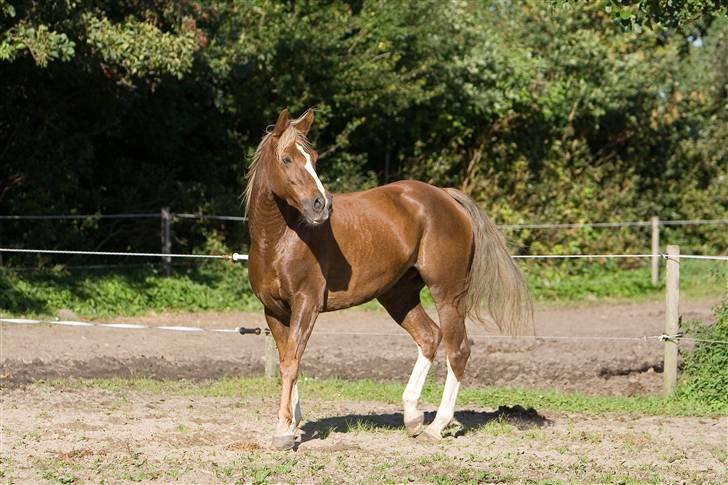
(518, 416)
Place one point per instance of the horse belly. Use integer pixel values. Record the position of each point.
(361, 290)
(368, 264)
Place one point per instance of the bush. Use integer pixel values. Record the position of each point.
(705, 371)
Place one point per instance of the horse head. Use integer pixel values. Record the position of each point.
(291, 168)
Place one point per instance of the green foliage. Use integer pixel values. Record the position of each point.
(97, 293)
(670, 13)
(543, 111)
(51, 31)
(607, 280)
(105, 293)
(139, 48)
(43, 44)
(705, 371)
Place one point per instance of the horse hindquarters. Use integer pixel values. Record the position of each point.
(463, 260)
(441, 263)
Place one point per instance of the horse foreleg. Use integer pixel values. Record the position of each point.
(290, 352)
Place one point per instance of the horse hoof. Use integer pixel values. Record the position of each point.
(429, 436)
(416, 425)
(454, 429)
(283, 442)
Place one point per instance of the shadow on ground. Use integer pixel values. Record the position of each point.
(518, 416)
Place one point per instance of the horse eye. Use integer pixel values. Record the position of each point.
(286, 160)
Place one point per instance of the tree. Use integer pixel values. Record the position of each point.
(538, 111)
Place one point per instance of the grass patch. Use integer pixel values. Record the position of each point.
(468, 477)
(57, 470)
(360, 426)
(608, 280)
(128, 291)
(216, 286)
(366, 390)
(498, 427)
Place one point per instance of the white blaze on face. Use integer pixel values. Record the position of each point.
(310, 170)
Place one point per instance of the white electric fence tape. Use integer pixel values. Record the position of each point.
(258, 331)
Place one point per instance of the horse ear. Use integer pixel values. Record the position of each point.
(303, 124)
(282, 123)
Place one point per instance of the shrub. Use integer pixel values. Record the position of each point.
(705, 371)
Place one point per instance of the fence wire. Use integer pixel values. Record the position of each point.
(244, 257)
(259, 331)
(145, 215)
(191, 215)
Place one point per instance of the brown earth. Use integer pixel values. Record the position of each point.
(338, 349)
(67, 433)
(74, 434)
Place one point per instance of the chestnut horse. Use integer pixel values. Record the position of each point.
(312, 252)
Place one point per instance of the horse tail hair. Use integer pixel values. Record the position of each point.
(493, 277)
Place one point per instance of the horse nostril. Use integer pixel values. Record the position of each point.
(318, 204)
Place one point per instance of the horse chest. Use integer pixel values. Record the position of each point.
(264, 277)
(278, 277)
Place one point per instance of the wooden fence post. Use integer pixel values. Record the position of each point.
(166, 241)
(672, 319)
(655, 250)
(271, 357)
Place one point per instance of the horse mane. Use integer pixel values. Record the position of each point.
(290, 135)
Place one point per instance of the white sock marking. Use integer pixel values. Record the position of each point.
(310, 170)
(290, 428)
(416, 383)
(295, 407)
(446, 411)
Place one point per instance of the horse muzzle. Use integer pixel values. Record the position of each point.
(316, 209)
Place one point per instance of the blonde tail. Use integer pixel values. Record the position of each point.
(494, 277)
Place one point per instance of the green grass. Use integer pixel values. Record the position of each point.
(126, 291)
(219, 286)
(336, 389)
(498, 427)
(609, 281)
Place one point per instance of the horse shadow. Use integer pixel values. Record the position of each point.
(517, 416)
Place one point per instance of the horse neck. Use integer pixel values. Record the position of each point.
(266, 222)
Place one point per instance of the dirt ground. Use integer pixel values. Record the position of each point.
(68, 434)
(337, 348)
(72, 435)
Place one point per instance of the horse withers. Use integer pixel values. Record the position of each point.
(312, 252)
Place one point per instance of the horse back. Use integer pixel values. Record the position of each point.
(378, 235)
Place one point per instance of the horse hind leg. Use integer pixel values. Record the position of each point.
(454, 334)
(403, 304)
(427, 336)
